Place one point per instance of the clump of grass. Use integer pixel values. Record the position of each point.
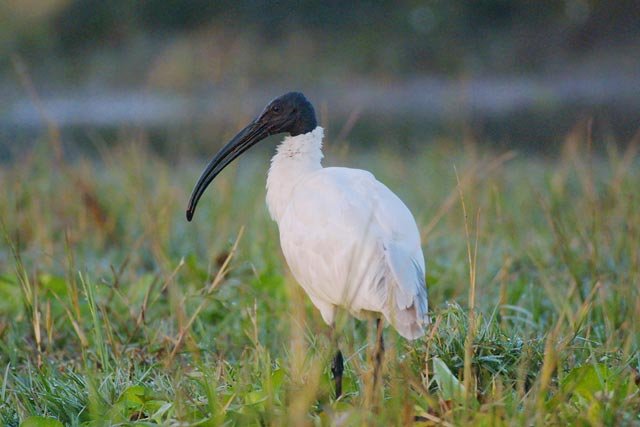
(113, 308)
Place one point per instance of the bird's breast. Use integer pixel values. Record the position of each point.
(296, 159)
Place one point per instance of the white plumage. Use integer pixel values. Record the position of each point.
(347, 238)
(349, 241)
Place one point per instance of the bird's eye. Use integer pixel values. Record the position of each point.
(276, 109)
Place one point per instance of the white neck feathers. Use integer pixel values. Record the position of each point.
(296, 157)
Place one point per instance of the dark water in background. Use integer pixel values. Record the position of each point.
(527, 113)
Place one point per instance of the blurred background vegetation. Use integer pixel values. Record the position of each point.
(112, 306)
(507, 72)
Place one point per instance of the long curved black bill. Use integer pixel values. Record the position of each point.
(240, 143)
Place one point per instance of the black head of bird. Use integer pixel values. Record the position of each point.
(290, 113)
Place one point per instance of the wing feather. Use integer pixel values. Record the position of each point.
(354, 217)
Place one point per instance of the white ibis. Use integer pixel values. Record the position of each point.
(349, 241)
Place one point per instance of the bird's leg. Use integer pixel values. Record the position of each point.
(337, 368)
(379, 353)
(337, 364)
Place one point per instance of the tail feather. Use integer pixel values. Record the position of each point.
(407, 311)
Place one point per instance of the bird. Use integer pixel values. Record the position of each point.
(348, 240)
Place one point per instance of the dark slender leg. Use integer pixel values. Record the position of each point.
(379, 353)
(337, 367)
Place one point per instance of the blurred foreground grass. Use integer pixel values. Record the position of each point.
(115, 310)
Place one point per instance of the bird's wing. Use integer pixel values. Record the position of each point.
(352, 216)
(400, 238)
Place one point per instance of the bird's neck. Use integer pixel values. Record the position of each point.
(296, 157)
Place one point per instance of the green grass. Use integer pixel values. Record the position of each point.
(115, 310)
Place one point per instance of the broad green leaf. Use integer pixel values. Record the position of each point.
(38, 421)
(134, 396)
(138, 399)
(588, 381)
(591, 385)
(276, 378)
(54, 284)
(255, 397)
(161, 410)
(450, 387)
(154, 405)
